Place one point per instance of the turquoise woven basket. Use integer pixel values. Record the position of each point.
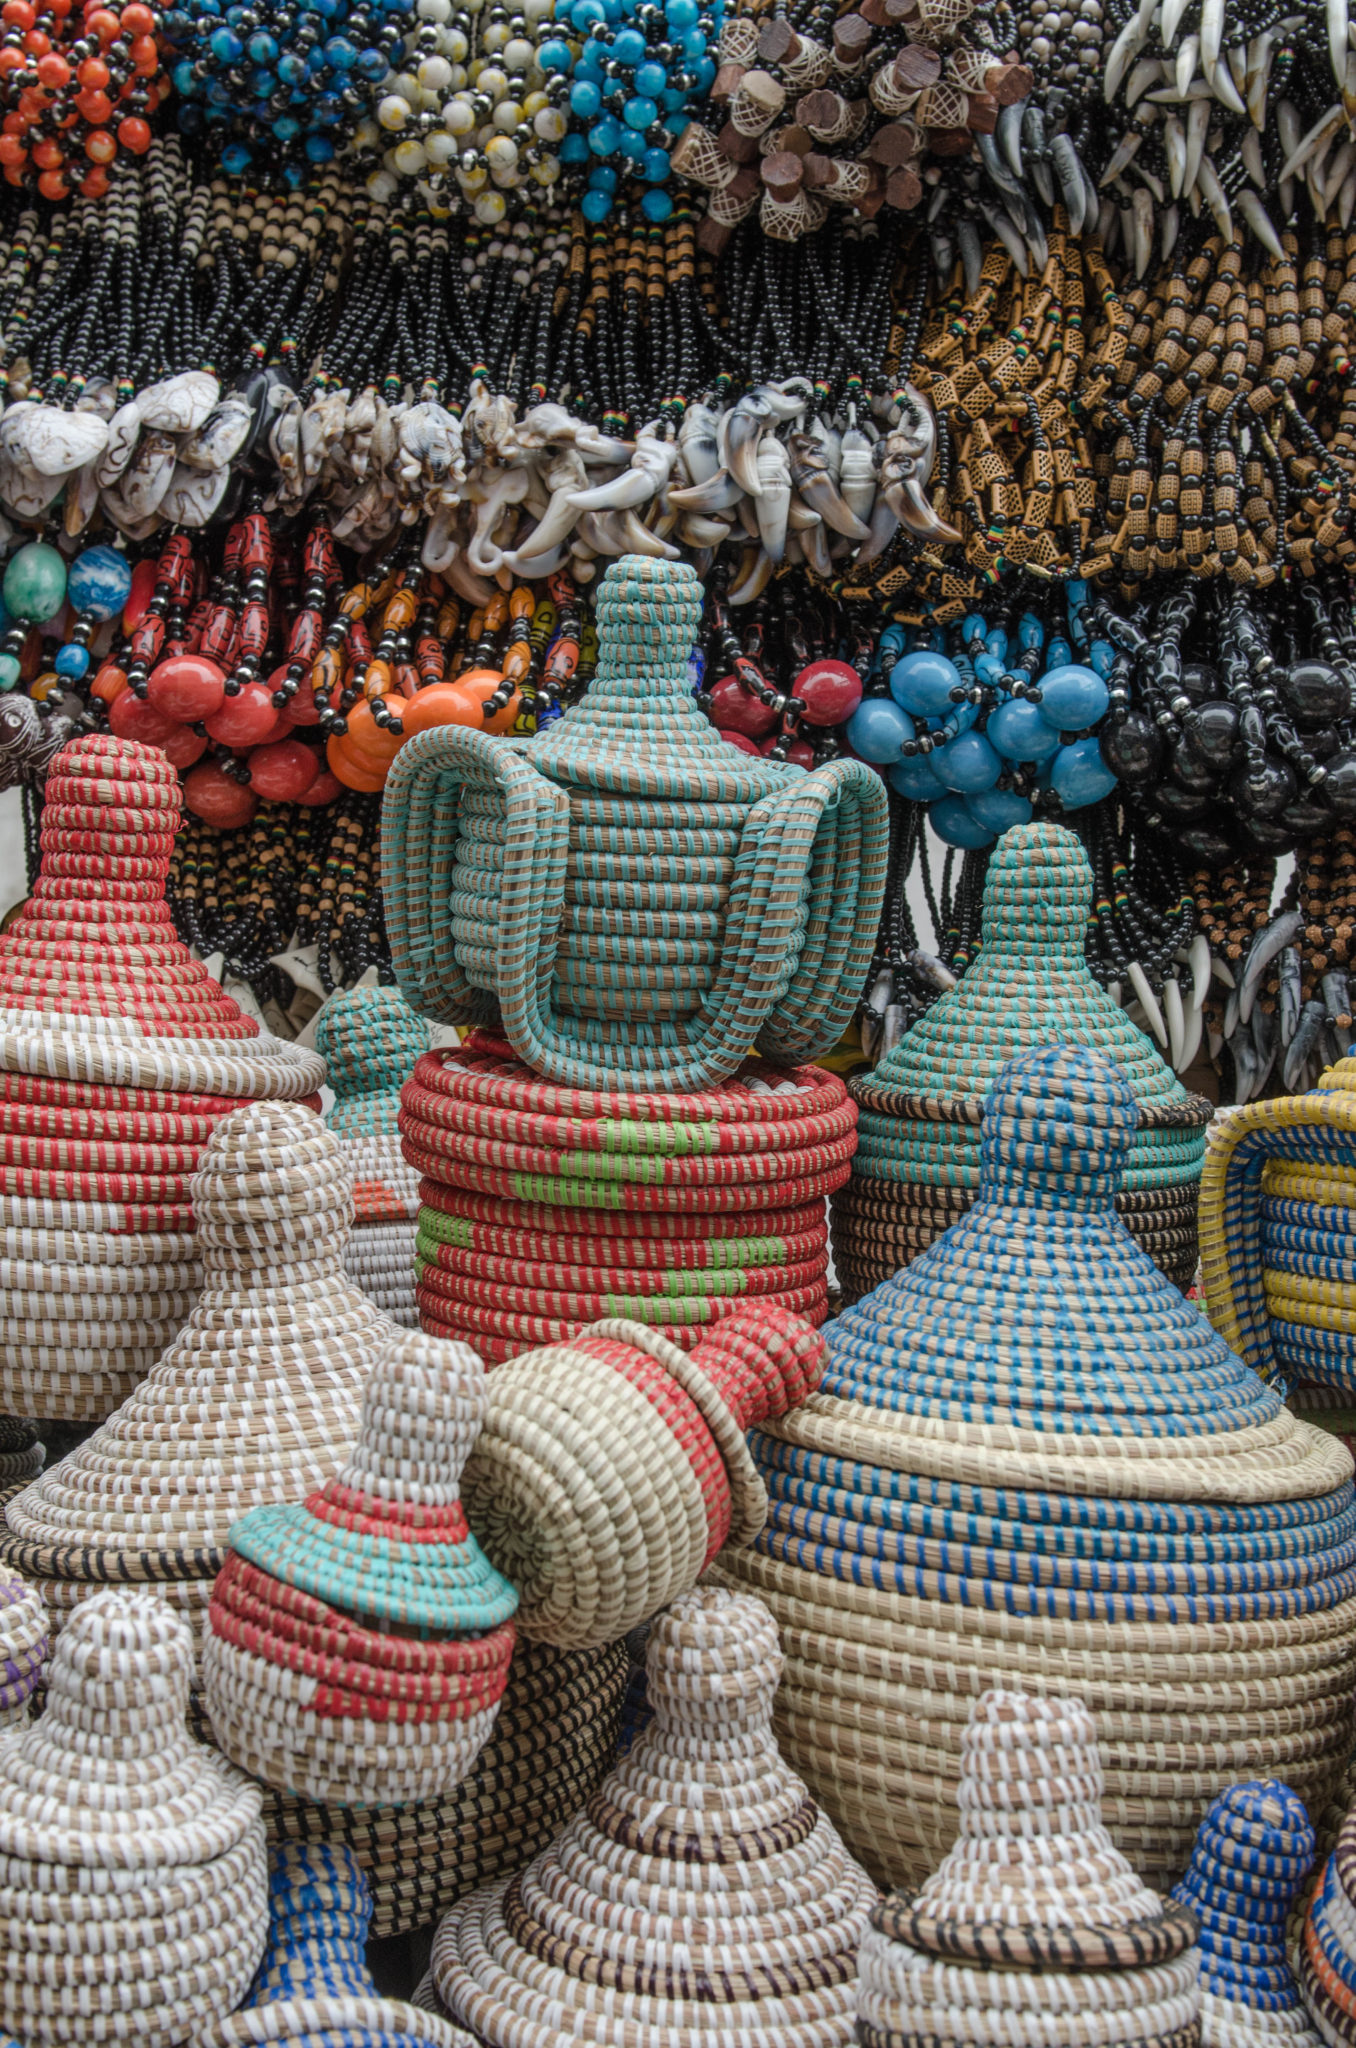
(630, 899)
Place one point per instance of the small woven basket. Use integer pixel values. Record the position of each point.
(1035, 1928)
(1251, 1858)
(359, 1643)
(370, 1040)
(133, 1881)
(700, 1899)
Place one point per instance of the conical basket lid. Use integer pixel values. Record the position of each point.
(96, 938)
(702, 1898)
(1035, 1343)
(1029, 984)
(258, 1397)
(1035, 1928)
(638, 728)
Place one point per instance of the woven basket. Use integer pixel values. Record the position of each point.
(611, 1469)
(358, 1644)
(1035, 1929)
(256, 1400)
(548, 1208)
(637, 904)
(133, 1882)
(119, 1055)
(370, 1040)
(21, 1454)
(916, 1170)
(1031, 1461)
(1278, 1235)
(1251, 1858)
(549, 1750)
(1327, 1953)
(23, 1645)
(701, 1899)
(313, 1988)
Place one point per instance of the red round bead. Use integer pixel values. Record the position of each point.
(829, 690)
(736, 709)
(187, 686)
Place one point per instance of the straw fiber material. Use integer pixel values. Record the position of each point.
(700, 1899)
(256, 1400)
(611, 1469)
(635, 904)
(370, 1039)
(313, 1988)
(119, 1055)
(359, 1642)
(1251, 1858)
(23, 1645)
(551, 1746)
(547, 1208)
(21, 1452)
(133, 1900)
(1035, 1929)
(916, 1168)
(1032, 1462)
(1278, 1234)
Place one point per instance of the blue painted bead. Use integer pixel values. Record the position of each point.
(1072, 697)
(651, 78)
(923, 681)
(654, 165)
(1030, 632)
(973, 627)
(953, 821)
(291, 68)
(98, 582)
(704, 74)
(967, 763)
(554, 55)
(342, 53)
(1020, 733)
(604, 136)
(628, 46)
(676, 122)
(574, 150)
(185, 83)
(602, 178)
(1080, 776)
(916, 778)
(287, 127)
(999, 808)
(631, 145)
(372, 65)
(596, 206)
(681, 14)
(9, 671)
(656, 204)
(989, 669)
(585, 99)
(71, 660)
(226, 46)
(1101, 654)
(878, 729)
(235, 158)
(1058, 653)
(996, 641)
(673, 97)
(694, 45)
(639, 113)
(319, 149)
(584, 13)
(263, 47)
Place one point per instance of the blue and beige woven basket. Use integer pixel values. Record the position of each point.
(371, 1041)
(917, 1164)
(636, 903)
(1032, 1462)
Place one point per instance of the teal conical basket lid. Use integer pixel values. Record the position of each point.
(371, 1041)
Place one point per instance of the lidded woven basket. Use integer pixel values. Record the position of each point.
(1252, 1855)
(119, 1055)
(545, 1208)
(358, 1643)
(917, 1163)
(612, 1469)
(370, 1040)
(133, 1880)
(1035, 1928)
(313, 1988)
(1278, 1240)
(1030, 1458)
(701, 1898)
(257, 1399)
(635, 902)
(1327, 1948)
